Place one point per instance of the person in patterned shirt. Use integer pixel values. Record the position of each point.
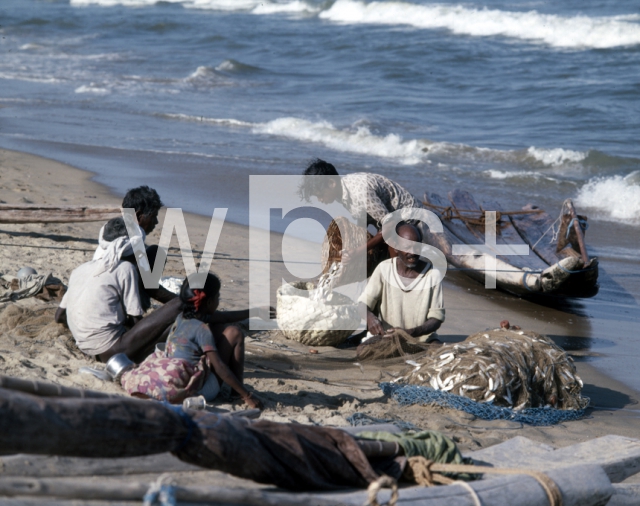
(373, 195)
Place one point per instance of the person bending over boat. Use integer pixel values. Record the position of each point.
(103, 306)
(361, 194)
(198, 357)
(405, 293)
(146, 203)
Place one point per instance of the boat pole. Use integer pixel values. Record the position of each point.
(579, 233)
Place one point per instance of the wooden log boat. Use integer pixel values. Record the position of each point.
(557, 262)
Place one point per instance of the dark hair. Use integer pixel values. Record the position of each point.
(409, 224)
(114, 228)
(311, 186)
(187, 294)
(143, 199)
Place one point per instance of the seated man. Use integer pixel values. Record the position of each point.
(405, 293)
(147, 204)
(103, 306)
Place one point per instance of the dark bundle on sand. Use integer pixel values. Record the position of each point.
(291, 456)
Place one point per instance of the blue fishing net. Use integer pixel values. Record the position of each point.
(406, 395)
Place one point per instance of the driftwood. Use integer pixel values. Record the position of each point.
(33, 213)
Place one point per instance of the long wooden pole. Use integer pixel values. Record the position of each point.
(579, 232)
(33, 213)
(121, 490)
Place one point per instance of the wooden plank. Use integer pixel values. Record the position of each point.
(506, 234)
(74, 488)
(464, 200)
(32, 213)
(536, 230)
(618, 456)
(456, 232)
(51, 466)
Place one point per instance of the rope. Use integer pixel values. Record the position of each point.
(583, 225)
(554, 238)
(478, 219)
(427, 473)
(474, 495)
(592, 268)
(160, 493)
(383, 482)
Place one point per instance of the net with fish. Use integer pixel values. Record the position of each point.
(506, 368)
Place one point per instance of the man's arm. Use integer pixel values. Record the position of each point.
(374, 325)
(431, 325)
(61, 316)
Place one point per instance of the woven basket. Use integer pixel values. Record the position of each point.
(315, 323)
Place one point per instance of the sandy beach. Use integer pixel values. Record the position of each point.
(297, 386)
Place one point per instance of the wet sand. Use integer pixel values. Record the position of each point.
(323, 388)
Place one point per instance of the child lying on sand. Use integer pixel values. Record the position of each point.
(199, 356)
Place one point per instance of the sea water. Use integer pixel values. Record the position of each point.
(520, 101)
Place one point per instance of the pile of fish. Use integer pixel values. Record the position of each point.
(506, 367)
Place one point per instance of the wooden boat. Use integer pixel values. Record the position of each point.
(557, 262)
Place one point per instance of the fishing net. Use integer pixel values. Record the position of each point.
(22, 322)
(395, 344)
(505, 367)
(355, 236)
(325, 321)
(406, 395)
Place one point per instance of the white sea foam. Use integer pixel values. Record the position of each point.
(615, 198)
(356, 140)
(201, 71)
(558, 31)
(92, 88)
(29, 47)
(556, 156)
(213, 121)
(291, 7)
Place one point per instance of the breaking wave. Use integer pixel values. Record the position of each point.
(556, 156)
(615, 198)
(571, 32)
(576, 32)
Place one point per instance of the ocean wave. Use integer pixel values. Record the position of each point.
(212, 121)
(92, 88)
(577, 32)
(254, 6)
(556, 156)
(359, 139)
(289, 7)
(615, 198)
(235, 67)
(354, 140)
(521, 174)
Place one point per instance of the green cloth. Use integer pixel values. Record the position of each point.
(429, 444)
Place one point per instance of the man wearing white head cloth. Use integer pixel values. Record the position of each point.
(103, 306)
